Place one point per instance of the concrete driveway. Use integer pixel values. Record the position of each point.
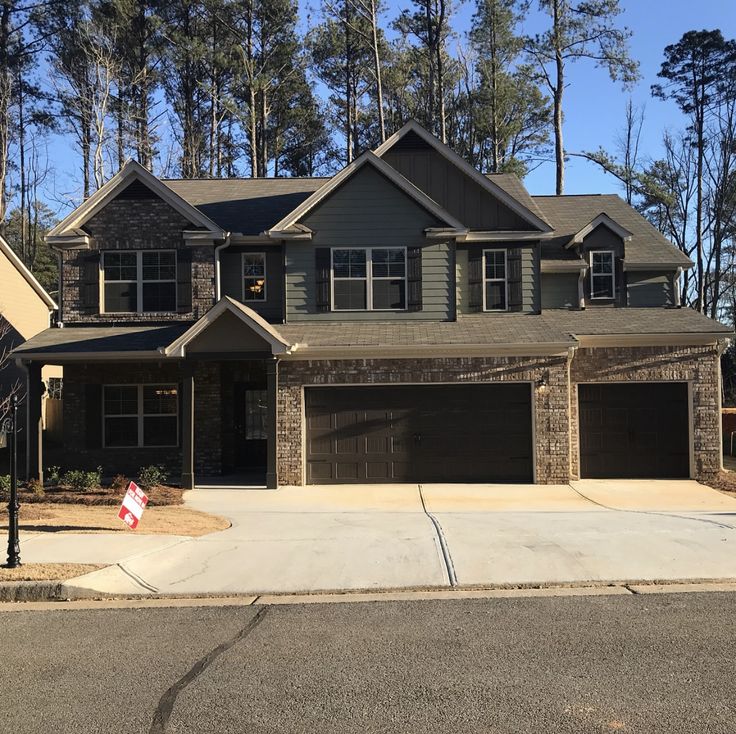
(308, 539)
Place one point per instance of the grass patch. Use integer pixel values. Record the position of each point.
(47, 571)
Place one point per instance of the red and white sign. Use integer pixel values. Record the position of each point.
(134, 503)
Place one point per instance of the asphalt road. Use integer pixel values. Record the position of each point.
(578, 664)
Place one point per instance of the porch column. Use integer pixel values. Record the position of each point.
(187, 426)
(272, 381)
(34, 435)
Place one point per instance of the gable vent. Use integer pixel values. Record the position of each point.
(137, 190)
(411, 141)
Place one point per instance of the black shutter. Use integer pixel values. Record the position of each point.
(184, 281)
(513, 263)
(475, 279)
(322, 267)
(93, 416)
(414, 278)
(89, 290)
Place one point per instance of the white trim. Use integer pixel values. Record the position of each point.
(305, 352)
(659, 267)
(28, 276)
(483, 181)
(368, 279)
(243, 276)
(248, 316)
(699, 339)
(601, 219)
(561, 266)
(505, 236)
(496, 280)
(612, 275)
(129, 172)
(368, 158)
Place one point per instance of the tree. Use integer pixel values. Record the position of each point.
(694, 69)
(582, 29)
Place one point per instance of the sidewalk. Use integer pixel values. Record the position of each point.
(312, 539)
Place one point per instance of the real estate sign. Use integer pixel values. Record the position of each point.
(134, 503)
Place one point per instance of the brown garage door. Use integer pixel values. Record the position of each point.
(634, 430)
(438, 433)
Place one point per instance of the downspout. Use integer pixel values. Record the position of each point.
(581, 287)
(676, 284)
(218, 249)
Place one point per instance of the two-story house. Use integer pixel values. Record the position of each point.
(407, 320)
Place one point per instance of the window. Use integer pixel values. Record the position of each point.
(369, 279)
(139, 282)
(140, 415)
(602, 274)
(495, 283)
(254, 276)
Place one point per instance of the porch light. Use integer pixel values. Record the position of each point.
(542, 384)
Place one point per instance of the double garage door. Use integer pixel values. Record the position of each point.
(419, 433)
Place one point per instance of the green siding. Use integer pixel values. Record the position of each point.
(560, 290)
(529, 275)
(368, 211)
(650, 288)
(232, 283)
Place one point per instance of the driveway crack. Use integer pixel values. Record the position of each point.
(444, 547)
(166, 704)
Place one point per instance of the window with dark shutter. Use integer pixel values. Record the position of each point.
(322, 267)
(89, 295)
(516, 295)
(414, 278)
(184, 281)
(475, 280)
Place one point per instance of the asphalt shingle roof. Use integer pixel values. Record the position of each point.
(513, 186)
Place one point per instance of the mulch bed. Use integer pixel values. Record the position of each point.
(725, 481)
(157, 496)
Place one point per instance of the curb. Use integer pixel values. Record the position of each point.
(31, 591)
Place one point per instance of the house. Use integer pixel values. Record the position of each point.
(407, 320)
(25, 310)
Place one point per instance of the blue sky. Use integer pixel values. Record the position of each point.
(594, 105)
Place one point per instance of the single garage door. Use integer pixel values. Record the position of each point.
(634, 430)
(407, 433)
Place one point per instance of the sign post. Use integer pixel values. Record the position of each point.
(134, 503)
(10, 428)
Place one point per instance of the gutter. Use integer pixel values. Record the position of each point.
(581, 286)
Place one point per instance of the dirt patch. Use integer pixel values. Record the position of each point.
(47, 571)
(162, 496)
(60, 518)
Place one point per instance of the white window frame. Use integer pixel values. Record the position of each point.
(504, 280)
(138, 281)
(369, 278)
(140, 415)
(243, 277)
(611, 275)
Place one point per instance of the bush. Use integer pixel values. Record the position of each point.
(36, 488)
(152, 476)
(119, 483)
(53, 474)
(82, 480)
(4, 486)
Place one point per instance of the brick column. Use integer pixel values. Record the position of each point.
(187, 427)
(34, 436)
(272, 381)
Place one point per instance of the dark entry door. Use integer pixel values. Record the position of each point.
(410, 433)
(250, 426)
(634, 430)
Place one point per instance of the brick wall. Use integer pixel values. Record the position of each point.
(137, 224)
(697, 365)
(551, 405)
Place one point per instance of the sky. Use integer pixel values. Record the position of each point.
(594, 105)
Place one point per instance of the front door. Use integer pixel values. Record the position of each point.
(250, 426)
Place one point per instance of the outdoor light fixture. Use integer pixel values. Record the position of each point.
(542, 383)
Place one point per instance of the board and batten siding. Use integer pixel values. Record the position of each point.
(529, 276)
(560, 290)
(647, 288)
(368, 211)
(231, 279)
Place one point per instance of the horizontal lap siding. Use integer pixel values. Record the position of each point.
(650, 289)
(368, 211)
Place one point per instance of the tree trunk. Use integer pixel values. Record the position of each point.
(377, 70)
(5, 93)
(349, 141)
(441, 72)
(558, 92)
(700, 303)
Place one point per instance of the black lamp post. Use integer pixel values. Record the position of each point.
(10, 426)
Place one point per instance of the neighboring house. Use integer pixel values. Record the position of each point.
(26, 308)
(408, 320)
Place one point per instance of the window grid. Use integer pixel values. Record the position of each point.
(151, 267)
(112, 394)
(376, 259)
(602, 270)
(254, 276)
(495, 270)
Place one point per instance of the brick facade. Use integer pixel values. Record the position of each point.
(137, 224)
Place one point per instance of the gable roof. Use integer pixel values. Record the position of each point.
(367, 159)
(489, 184)
(29, 277)
(130, 172)
(602, 220)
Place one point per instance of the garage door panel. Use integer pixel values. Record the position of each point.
(461, 433)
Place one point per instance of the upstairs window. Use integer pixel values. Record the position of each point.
(254, 276)
(602, 274)
(369, 279)
(139, 282)
(495, 285)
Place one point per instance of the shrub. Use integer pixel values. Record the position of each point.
(152, 476)
(53, 474)
(82, 480)
(36, 488)
(4, 486)
(119, 483)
